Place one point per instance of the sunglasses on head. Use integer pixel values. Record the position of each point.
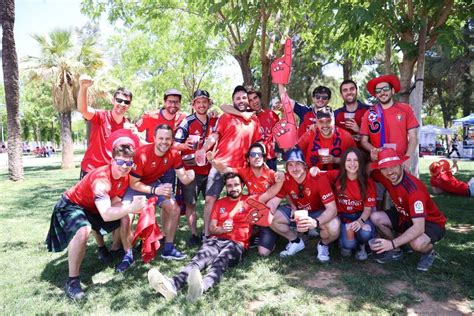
(121, 162)
(386, 89)
(119, 100)
(301, 191)
(321, 97)
(254, 154)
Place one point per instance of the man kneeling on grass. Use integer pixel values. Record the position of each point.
(93, 203)
(230, 228)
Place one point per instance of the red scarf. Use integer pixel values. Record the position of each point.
(148, 231)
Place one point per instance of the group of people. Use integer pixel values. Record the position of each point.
(334, 182)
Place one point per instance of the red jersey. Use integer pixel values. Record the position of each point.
(316, 191)
(268, 119)
(256, 185)
(102, 124)
(95, 186)
(149, 167)
(308, 119)
(447, 182)
(235, 210)
(350, 200)
(191, 125)
(235, 137)
(397, 120)
(411, 198)
(149, 121)
(339, 116)
(312, 141)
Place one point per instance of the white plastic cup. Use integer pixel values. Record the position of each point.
(373, 242)
(349, 116)
(323, 151)
(195, 139)
(299, 214)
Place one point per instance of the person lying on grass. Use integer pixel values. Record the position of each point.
(443, 179)
(231, 224)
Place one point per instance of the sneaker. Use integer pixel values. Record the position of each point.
(173, 254)
(254, 242)
(323, 253)
(406, 248)
(195, 286)
(361, 254)
(117, 254)
(389, 256)
(104, 255)
(346, 252)
(426, 261)
(162, 284)
(292, 248)
(126, 263)
(193, 241)
(73, 290)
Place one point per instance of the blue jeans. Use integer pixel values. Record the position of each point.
(361, 237)
(128, 197)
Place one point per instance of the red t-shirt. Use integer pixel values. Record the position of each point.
(359, 113)
(268, 119)
(398, 119)
(97, 185)
(308, 119)
(191, 125)
(149, 167)
(256, 185)
(316, 192)
(350, 200)
(149, 121)
(447, 182)
(102, 125)
(312, 141)
(235, 137)
(235, 210)
(411, 198)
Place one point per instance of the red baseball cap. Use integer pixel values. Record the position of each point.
(435, 168)
(388, 158)
(391, 79)
(119, 137)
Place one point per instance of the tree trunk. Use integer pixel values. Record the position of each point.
(406, 74)
(12, 95)
(468, 94)
(388, 56)
(347, 69)
(266, 84)
(244, 62)
(67, 146)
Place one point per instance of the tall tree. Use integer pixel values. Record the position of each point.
(12, 95)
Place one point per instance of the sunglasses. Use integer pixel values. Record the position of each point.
(321, 97)
(301, 191)
(386, 89)
(121, 162)
(254, 154)
(118, 100)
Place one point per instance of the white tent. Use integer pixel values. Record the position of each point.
(428, 134)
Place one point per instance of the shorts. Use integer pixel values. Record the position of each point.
(215, 183)
(267, 238)
(169, 177)
(128, 197)
(286, 210)
(434, 231)
(68, 218)
(191, 191)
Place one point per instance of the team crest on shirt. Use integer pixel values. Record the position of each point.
(399, 117)
(222, 210)
(294, 195)
(166, 161)
(372, 116)
(307, 191)
(153, 164)
(418, 207)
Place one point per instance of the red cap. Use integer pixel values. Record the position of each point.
(435, 168)
(388, 158)
(391, 79)
(445, 164)
(119, 137)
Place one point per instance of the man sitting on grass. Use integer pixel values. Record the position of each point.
(230, 228)
(443, 179)
(93, 203)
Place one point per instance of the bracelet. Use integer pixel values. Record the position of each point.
(362, 220)
(393, 244)
(152, 188)
(317, 222)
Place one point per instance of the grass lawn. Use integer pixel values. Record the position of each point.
(32, 279)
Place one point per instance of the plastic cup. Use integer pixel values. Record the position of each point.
(200, 156)
(350, 233)
(195, 139)
(373, 242)
(323, 151)
(299, 214)
(349, 116)
(390, 145)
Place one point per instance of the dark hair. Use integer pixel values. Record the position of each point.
(322, 89)
(256, 145)
(124, 150)
(361, 172)
(251, 90)
(164, 126)
(231, 175)
(124, 91)
(346, 82)
(238, 89)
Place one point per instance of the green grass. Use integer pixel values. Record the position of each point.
(31, 279)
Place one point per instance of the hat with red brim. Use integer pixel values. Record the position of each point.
(120, 137)
(391, 79)
(388, 158)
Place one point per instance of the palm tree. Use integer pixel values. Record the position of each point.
(12, 95)
(61, 62)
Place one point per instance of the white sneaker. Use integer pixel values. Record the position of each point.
(323, 253)
(361, 254)
(161, 284)
(195, 286)
(292, 248)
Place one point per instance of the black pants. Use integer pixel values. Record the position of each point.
(218, 255)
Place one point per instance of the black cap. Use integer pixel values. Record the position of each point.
(238, 89)
(200, 94)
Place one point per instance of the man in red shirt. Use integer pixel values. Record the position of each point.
(93, 203)
(415, 218)
(443, 179)
(190, 137)
(324, 145)
(152, 161)
(230, 228)
(231, 133)
(313, 194)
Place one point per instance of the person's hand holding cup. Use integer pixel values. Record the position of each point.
(165, 189)
(138, 203)
(194, 139)
(228, 225)
(300, 217)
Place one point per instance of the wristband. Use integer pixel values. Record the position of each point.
(393, 244)
(152, 189)
(362, 220)
(317, 222)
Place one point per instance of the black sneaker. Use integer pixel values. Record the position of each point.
(193, 241)
(73, 290)
(126, 263)
(117, 254)
(254, 242)
(390, 256)
(426, 261)
(104, 255)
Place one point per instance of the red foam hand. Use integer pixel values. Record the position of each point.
(285, 131)
(148, 231)
(260, 214)
(281, 67)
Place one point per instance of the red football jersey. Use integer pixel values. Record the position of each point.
(235, 137)
(149, 121)
(149, 167)
(256, 185)
(339, 116)
(102, 125)
(314, 193)
(447, 182)
(268, 119)
(97, 185)
(308, 119)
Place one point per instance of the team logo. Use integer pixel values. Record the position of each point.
(372, 116)
(399, 117)
(153, 164)
(166, 161)
(294, 195)
(179, 134)
(307, 191)
(222, 210)
(418, 207)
